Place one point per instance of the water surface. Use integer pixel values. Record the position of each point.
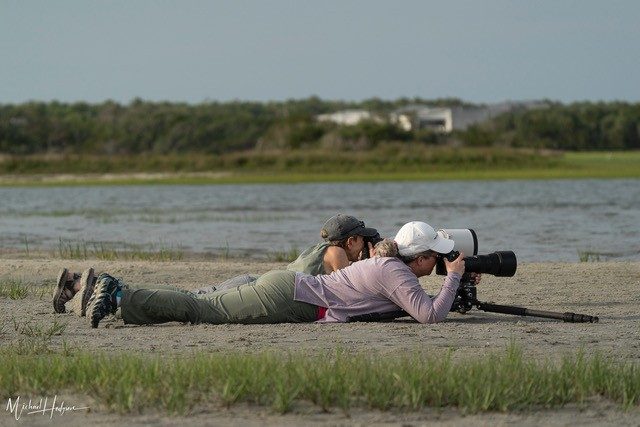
(539, 220)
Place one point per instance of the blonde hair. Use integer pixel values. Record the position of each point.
(386, 248)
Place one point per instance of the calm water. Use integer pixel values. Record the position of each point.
(538, 220)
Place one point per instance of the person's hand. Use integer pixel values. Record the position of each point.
(475, 278)
(372, 250)
(455, 266)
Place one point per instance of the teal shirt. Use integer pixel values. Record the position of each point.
(311, 261)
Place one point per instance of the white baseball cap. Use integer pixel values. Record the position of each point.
(416, 237)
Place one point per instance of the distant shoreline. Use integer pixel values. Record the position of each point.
(231, 178)
(281, 168)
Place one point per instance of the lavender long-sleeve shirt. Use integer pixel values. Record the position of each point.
(375, 285)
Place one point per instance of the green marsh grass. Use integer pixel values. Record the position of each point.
(34, 338)
(19, 289)
(70, 249)
(389, 162)
(26, 245)
(284, 256)
(226, 251)
(14, 289)
(586, 256)
(37, 330)
(335, 381)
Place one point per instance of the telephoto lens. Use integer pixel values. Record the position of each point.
(500, 263)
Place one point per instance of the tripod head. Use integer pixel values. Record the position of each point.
(466, 296)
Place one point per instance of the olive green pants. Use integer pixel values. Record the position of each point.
(270, 300)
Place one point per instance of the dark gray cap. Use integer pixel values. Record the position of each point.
(341, 226)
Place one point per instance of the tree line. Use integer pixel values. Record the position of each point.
(578, 126)
(160, 128)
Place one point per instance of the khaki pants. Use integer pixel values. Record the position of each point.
(270, 300)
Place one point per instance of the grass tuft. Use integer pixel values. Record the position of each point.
(586, 256)
(70, 249)
(34, 339)
(284, 256)
(14, 289)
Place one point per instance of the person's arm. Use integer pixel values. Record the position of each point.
(334, 259)
(413, 299)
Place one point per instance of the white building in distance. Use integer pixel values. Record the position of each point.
(436, 119)
(348, 117)
(445, 120)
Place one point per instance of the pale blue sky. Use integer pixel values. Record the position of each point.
(480, 51)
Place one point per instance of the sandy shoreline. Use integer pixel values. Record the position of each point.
(108, 178)
(610, 290)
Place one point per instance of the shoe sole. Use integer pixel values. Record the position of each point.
(92, 312)
(57, 293)
(81, 299)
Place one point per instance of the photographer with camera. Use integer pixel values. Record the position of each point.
(374, 285)
(345, 239)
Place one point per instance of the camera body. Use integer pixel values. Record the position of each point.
(451, 256)
(373, 240)
(500, 263)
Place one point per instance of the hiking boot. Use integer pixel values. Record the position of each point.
(103, 300)
(87, 284)
(64, 290)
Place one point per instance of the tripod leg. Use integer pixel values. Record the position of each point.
(521, 311)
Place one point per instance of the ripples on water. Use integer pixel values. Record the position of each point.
(539, 220)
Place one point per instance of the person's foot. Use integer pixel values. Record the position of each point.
(81, 299)
(103, 300)
(64, 290)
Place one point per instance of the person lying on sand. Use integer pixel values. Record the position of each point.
(374, 285)
(344, 241)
